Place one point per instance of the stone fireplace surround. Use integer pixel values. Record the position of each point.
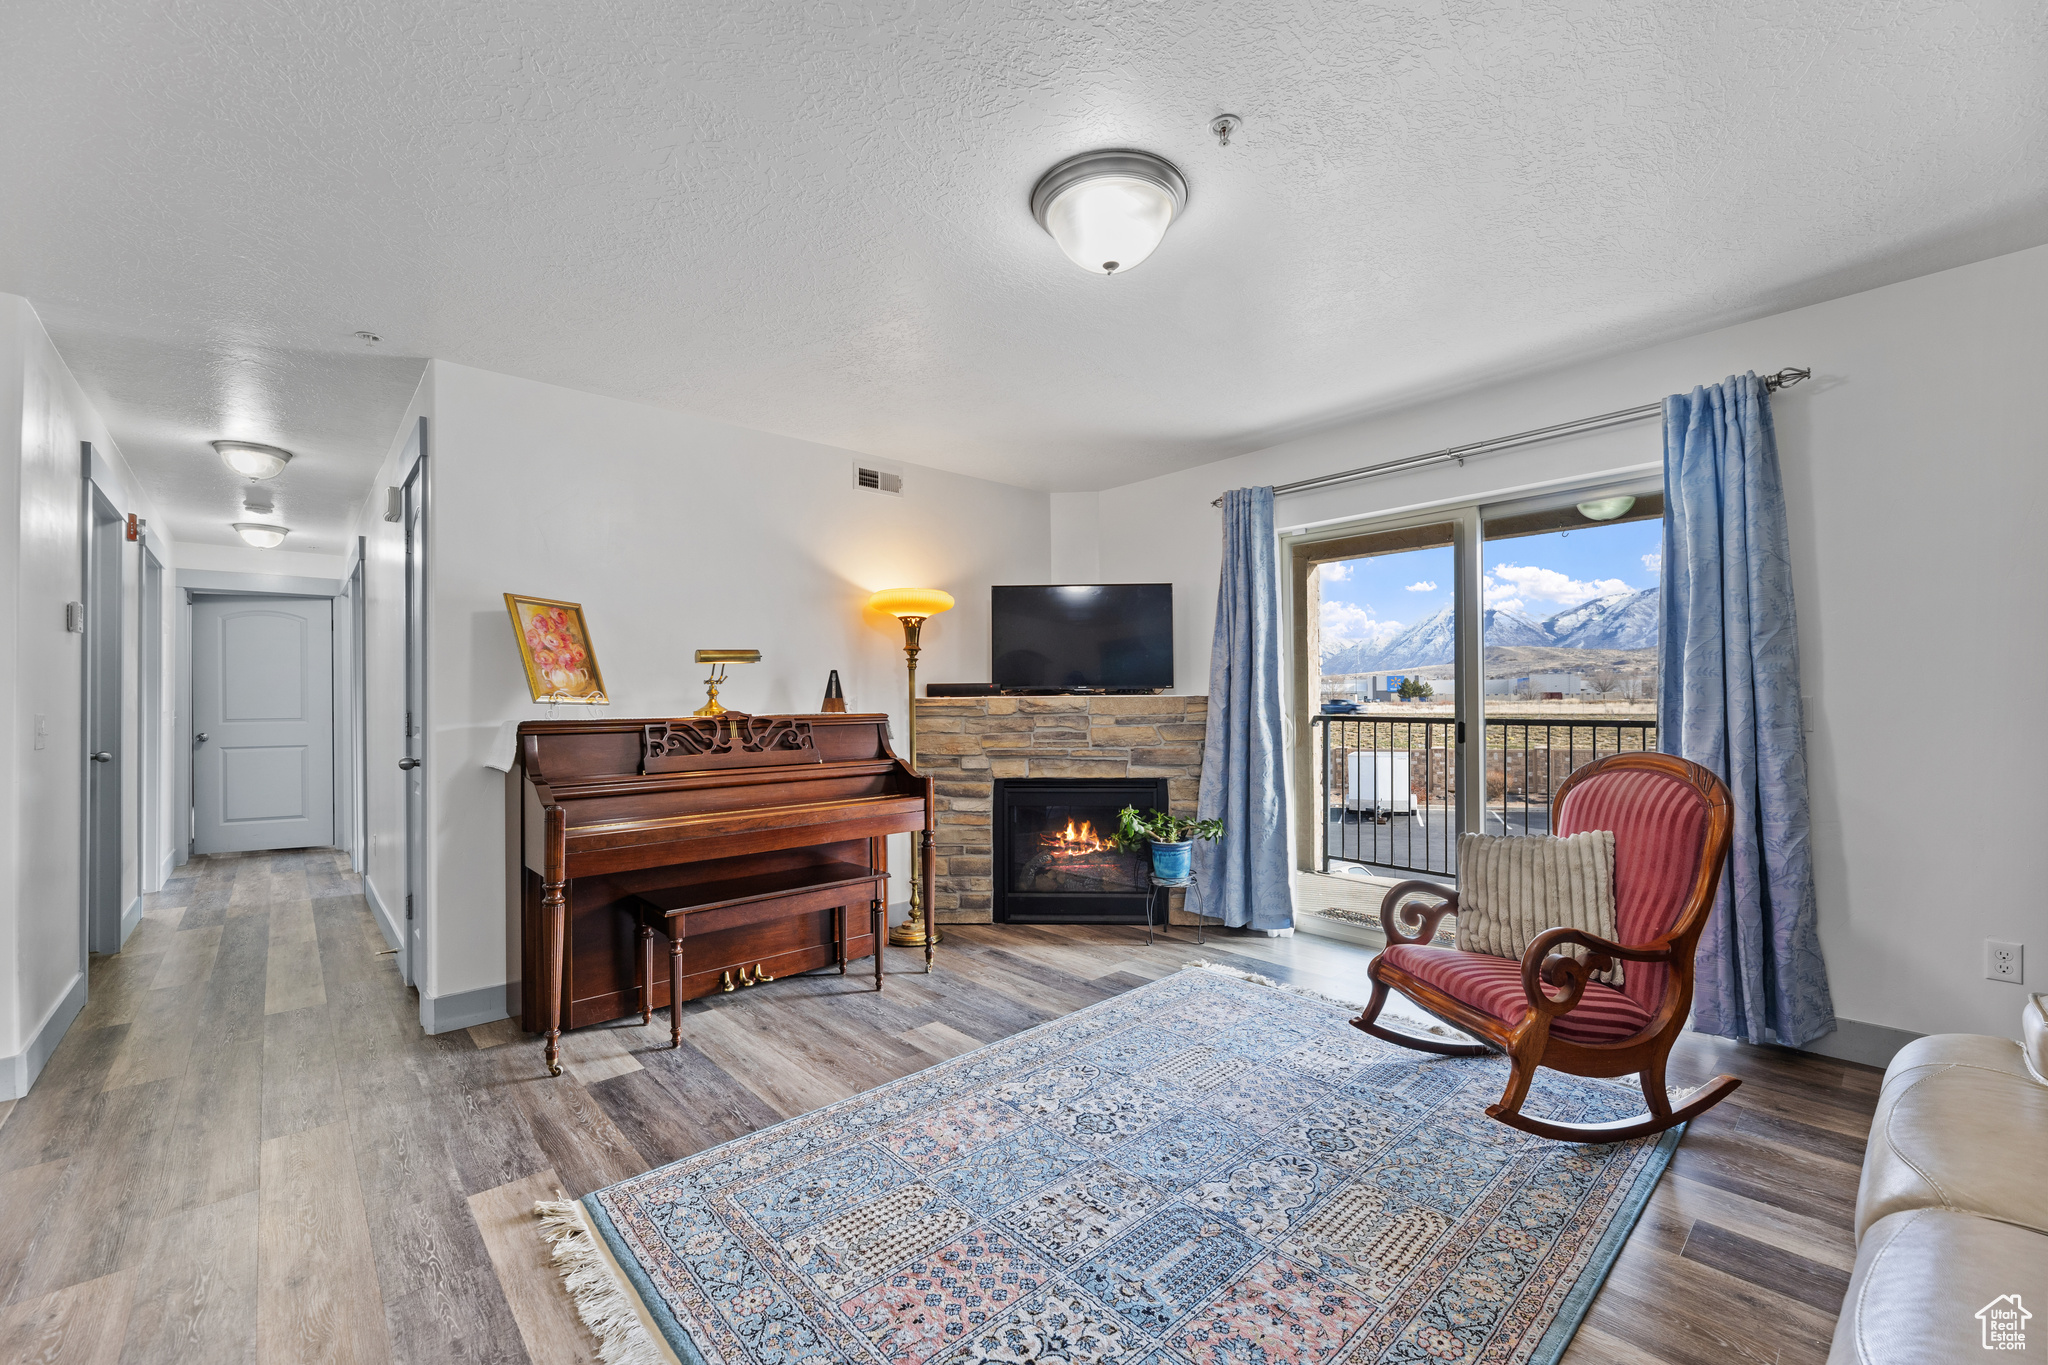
(966, 743)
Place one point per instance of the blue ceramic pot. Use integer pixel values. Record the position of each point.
(1172, 862)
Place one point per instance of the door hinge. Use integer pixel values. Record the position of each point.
(1461, 732)
(408, 905)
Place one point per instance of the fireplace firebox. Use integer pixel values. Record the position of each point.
(1054, 860)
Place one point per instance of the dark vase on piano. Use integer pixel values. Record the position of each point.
(742, 848)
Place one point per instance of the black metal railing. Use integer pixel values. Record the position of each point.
(1389, 785)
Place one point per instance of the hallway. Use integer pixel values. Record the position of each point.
(247, 1151)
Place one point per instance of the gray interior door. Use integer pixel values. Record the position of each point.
(103, 639)
(263, 722)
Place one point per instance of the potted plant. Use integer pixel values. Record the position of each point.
(1172, 838)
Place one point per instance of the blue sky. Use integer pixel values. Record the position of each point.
(1377, 598)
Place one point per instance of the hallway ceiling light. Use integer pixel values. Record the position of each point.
(1606, 509)
(261, 536)
(1109, 209)
(252, 460)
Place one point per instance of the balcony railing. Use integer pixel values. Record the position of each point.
(1388, 784)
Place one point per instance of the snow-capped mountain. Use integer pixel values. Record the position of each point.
(1624, 621)
(1430, 641)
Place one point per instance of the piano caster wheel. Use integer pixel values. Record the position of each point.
(554, 1068)
(725, 981)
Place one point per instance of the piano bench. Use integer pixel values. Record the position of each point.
(683, 913)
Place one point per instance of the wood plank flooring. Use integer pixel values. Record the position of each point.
(246, 1151)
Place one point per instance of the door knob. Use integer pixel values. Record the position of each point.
(103, 757)
(408, 764)
(201, 737)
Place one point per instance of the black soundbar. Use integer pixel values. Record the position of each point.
(991, 690)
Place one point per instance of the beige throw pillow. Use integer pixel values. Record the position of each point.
(1513, 887)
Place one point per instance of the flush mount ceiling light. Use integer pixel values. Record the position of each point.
(251, 460)
(261, 536)
(1108, 210)
(1606, 509)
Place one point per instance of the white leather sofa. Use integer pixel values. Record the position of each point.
(1952, 1212)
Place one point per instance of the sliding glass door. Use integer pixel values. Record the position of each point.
(1571, 644)
(1381, 631)
(1452, 668)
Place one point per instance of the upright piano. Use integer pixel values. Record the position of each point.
(787, 814)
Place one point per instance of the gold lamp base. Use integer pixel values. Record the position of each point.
(911, 933)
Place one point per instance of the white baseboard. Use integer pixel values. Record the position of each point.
(466, 1009)
(170, 866)
(19, 1072)
(386, 924)
(130, 917)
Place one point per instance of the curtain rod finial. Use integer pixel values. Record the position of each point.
(1786, 378)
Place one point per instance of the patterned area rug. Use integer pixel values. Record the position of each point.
(1204, 1169)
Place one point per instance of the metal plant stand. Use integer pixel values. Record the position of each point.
(1167, 884)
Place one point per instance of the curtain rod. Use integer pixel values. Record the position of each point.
(1783, 379)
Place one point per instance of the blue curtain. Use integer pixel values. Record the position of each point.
(1728, 663)
(1244, 876)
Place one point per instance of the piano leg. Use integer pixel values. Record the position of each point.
(646, 973)
(675, 988)
(877, 912)
(555, 915)
(931, 920)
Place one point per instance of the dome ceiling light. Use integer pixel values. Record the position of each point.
(1606, 509)
(1108, 210)
(253, 461)
(261, 536)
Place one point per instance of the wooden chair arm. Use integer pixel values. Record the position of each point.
(1566, 972)
(1422, 922)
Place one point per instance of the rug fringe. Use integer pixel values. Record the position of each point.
(1409, 1024)
(599, 1298)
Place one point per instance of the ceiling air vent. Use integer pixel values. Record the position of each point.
(878, 480)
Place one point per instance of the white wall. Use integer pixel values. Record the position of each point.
(384, 672)
(676, 534)
(1077, 539)
(1915, 471)
(44, 417)
(249, 559)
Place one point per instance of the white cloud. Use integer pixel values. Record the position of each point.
(1654, 563)
(1504, 603)
(1344, 623)
(1423, 586)
(1336, 572)
(1526, 582)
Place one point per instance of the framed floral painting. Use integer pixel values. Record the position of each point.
(555, 646)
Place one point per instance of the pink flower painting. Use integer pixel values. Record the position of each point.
(555, 645)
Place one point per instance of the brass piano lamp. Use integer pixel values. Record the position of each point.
(719, 658)
(913, 606)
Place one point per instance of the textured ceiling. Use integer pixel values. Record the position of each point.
(812, 218)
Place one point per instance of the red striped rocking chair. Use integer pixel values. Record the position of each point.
(1671, 820)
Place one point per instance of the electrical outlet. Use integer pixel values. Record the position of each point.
(2002, 961)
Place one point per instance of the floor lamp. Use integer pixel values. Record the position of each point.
(913, 606)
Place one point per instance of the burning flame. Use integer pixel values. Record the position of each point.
(1075, 839)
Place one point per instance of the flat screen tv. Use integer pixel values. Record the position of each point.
(1095, 637)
